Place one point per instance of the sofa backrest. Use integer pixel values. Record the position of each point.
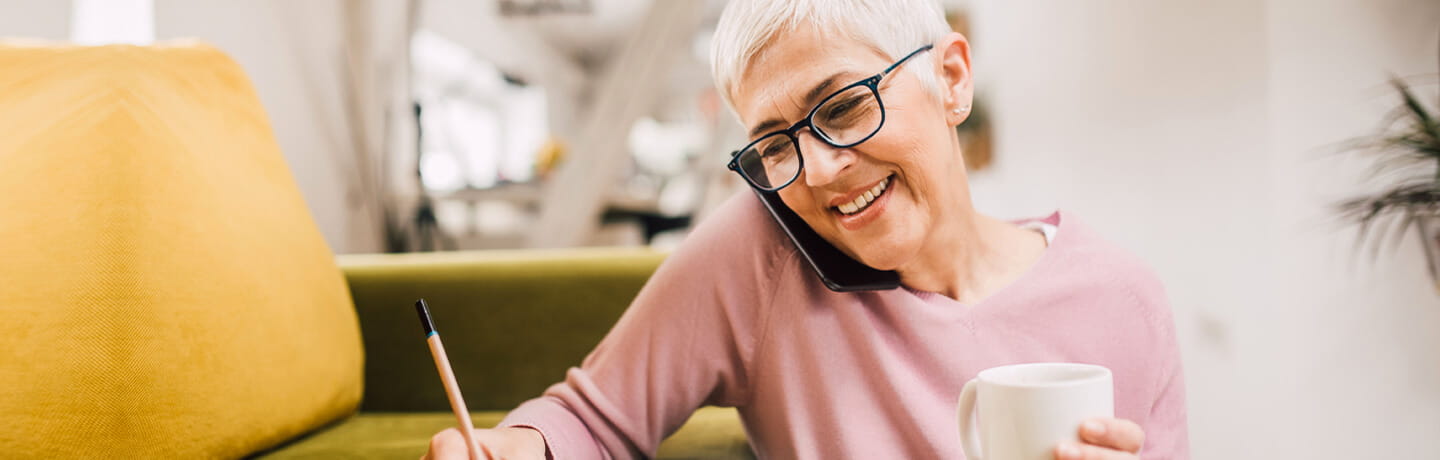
(512, 321)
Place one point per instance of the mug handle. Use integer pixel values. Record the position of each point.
(969, 439)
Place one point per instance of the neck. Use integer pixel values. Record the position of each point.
(952, 259)
(968, 256)
(971, 257)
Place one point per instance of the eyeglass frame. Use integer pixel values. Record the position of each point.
(872, 83)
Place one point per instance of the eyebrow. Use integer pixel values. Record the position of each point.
(809, 100)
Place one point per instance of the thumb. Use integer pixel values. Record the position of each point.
(449, 445)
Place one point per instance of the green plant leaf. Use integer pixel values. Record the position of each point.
(1425, 124)
(1406, 153)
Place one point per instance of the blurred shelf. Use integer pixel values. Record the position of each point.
(628, 203)
(521, 193)
(530, 193)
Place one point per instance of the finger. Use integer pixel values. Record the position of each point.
(484, 439)
(1114, 433)
(1077, 451)
(448, 444)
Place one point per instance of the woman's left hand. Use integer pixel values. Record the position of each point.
(1104, 439)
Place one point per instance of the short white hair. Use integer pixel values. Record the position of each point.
(892, 27)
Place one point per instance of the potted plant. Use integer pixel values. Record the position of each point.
(1407, 158)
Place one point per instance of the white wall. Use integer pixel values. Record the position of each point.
(48, 20)
(291, 51)
(1378, 324)
(1194, 133)
(519, 50)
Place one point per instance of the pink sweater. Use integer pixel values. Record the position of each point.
(736, 318)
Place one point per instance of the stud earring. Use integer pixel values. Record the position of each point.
(960, 110)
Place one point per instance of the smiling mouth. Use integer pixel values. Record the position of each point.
(865, 199)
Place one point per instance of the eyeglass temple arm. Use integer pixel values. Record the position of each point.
(906, 58)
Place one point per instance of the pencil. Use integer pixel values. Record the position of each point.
(447, 377)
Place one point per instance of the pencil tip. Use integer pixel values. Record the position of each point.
(424, 311)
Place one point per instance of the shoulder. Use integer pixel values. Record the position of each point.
(1126, 298)
(1098, 265)
(737, 245)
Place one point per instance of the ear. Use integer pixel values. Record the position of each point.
(957, 89)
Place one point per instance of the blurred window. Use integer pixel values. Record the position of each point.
(479, 128)
(100, 22)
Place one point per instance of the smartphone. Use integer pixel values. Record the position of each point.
(837, 270)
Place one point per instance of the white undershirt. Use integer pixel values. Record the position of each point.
(1043, 227)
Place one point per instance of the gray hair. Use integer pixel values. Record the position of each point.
(892, 27)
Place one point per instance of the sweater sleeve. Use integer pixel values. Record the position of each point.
(685, 342)
(1166, 428)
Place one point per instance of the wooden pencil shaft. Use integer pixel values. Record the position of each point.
(452, 391)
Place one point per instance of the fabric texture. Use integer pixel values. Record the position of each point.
(712, 433)
(512, 321)
(164, 291)
(734, 318)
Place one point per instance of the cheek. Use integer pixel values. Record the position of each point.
(924, 159)
(798, 199)
(907, 152)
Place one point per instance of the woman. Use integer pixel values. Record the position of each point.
(736, 318)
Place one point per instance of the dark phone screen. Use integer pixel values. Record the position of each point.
(837, 270)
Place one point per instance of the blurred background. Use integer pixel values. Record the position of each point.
(1214, 139)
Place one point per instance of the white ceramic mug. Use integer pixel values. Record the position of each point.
(1022, 411)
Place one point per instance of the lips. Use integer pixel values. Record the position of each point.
(864, 199)
(869, 208)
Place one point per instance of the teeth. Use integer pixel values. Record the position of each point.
(864, 199)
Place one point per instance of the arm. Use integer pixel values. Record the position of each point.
(1167, 430)
(1163, 433)
(686, 341)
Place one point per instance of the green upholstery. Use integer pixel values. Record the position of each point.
(512, 322)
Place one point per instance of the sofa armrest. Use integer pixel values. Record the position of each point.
(513, 321)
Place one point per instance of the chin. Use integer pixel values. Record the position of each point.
(879, 257)
(887, 247)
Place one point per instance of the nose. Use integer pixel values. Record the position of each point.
(823, 163)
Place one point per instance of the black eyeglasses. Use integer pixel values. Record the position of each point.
(843, 119)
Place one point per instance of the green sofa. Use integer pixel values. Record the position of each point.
(512, 321)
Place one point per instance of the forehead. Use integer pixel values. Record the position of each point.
(791, 64)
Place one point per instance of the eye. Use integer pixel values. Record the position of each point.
(842, 107)
(847, 109)
(775, 149)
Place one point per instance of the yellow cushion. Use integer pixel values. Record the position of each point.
(164, 292)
